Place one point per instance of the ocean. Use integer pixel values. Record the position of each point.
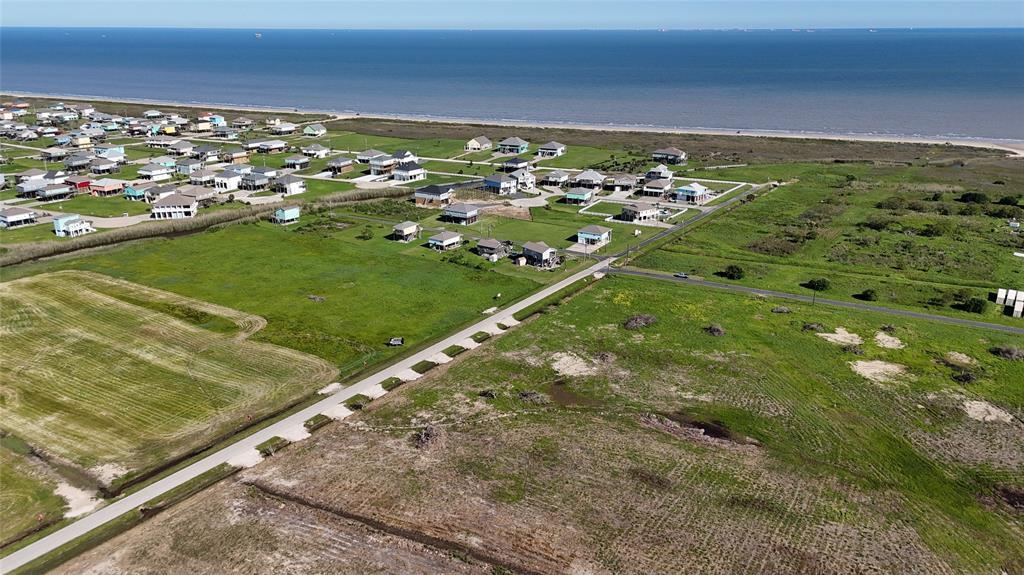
(930, 82)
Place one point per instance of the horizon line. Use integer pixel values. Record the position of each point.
(475, 29)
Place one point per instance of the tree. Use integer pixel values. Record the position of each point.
(733, 272)
(366, 234)
(974, 198)
(819, 284)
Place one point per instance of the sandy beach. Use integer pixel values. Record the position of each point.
(1012, 147)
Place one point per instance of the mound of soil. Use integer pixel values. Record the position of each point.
(639, 321)
(1009, 352)
(430, 437)
(534, 397)
(781, 309)
(815, 327)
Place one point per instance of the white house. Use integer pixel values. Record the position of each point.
(14, 217)
(551, 150)
(315, 130)
(174, 206)
(283, 128)
(316, 151)
(155, 172)
(71, 226)
(539, 253)
(639, 213)
(659, 172)
(656, 188)
(445, 241)
(555, 178)
(669, 155)
(227, 180)
(588, 179)
(501, 184)
(478, 143)
(409, 172)
(693, 193)
(289, 185)
(525, 180)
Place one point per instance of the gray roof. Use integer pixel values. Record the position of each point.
(499, 177)
(514, 141)
(482, 139)
(227, 174)
(340, 162)
(443, 236)
(589, 175)
(174, 200)
(462, 208)
(552, 145)
(405, 225)
(289, 179)
(538, 247)
(592, 229)
(315, 147)
(659, 183)
(204, 174)
(489, 243)
(294, 159)
(10, 212)
(434, 189)
(409, 166)
(670, 151)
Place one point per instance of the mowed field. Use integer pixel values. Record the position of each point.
(572, 444)
(116, 378)
(905, 232)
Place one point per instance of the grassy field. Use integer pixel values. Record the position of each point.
(27, 498)
(594, 448)
(108, 207)
(904, 232)
(117, 378)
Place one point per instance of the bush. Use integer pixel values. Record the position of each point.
(974, 198)
(366, 234)
(733, 272)
(818, 284)
(715, 330)
(939, 228)
(869, 295)
(975, 305)
(892, 203)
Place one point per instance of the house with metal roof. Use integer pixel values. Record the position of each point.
(445, 241)
(594, 235)
(296, 162)
(670, 155)
(434, 195)
(14, 216)
(539, 254)
(639, 213)
(314, 130)
(405, 231)
(289, 185)
(409, 172)
(551, 150)
(693, 193)
(285, 216)
(477, 144)
(173, 207)
(588, 179)
(462, 214)
(554, 178)
(513, 145)
(501, 184)
(71, 226)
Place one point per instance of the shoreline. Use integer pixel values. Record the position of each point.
(1011, 146)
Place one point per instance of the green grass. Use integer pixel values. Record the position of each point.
(28, 498)
(34, 233)
(424, 366)
(391, 383)
(108, 207)
(814, 418)
(583, 157)
(117, 388)
(458, 168)
(357, 402)
(828, 223)
(453, 350)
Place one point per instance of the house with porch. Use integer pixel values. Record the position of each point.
(54, 192)
(235, 156)
(296, 162)
(409, 172)
(477, 144)
(579, 196)
(405, 232)
(340, 166)
(182, 148)
(445, 241)
(202, 177)
(289, 185)
(202, 194)
(513, 145)
(242, 123)
(155, 172)
(551, 150)
(71, 226)
(512, 164)
(272, 146)
(365, 156)
(669, 155)
(656, 188)
(28, 188)
(594, 235)
(405, 156)
(254, 181)
(315, 130)
(207, 153)
(492, 249)
(554, 178)
(638, 213)
(693, 193)
(525, 180)
(224, 132)
(434, 195)
(501, 184)
(620, 183)
(189, 166)
(173, 207)
(383, 165)
(78, 182)
(539, 254)
(14, 216)
(316, 151)
(285, 216)
(227, 181)
(659, 172)
(52, 154)
(283, 128)
(587, 179)
(77, 162)
(106, 187)
(102, 166)
(462, 214)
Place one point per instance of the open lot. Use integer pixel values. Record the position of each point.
(905, 232)
(115, 378)
(575, 445)
(27, 498)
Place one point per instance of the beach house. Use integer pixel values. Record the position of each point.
(462, 214)
(296, 162)
(289, 185)
(173, 207)
(254, 181)
(551, 150)
(78, 182)
(693, 193)
(106, 187)
(383, 165)
(272, 146)
(659, 172)
(587, 179)
(15, 216)
(339, 166)
(513, 145)
(513, 164)
(539, 254)
(594, 235)
(54, 192)
(409, 172)
(639, 213)
(477, 144)
(102, 166)
(525, 180)
(365, 156)
(620, 183)
(316, 151)
(71, 226)
(242, 123)
(579, 196)
(283, 128)
(405, 231)
(235, 156)
(445, 241)
(656, 188)
(155, 172)
(189, 166)
(181, 148)
(554, 178)
(500, 183)
(492, 249)
(202, 177)
(669, 155)
(207, 153)
(314, 130)
(285, 216)
(227, 181)
(434, 195)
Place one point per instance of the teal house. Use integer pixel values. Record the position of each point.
(130, 193)
(513, 145)
(285, 216)
(579, 196)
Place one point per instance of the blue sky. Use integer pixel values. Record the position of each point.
(513, 14)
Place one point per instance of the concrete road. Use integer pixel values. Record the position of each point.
(823, 301)
(244, 448)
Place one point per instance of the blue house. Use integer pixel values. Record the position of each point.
(513, 145)
(130, 193)
(215, 119)
(62, 140)
(285, 216)
(71, 226)
(594, 235)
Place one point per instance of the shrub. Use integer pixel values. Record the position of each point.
(715, 330)
(819, 284)
(939, 228)
(366, 234)
(869, 295)
(1009, 200)
(357, 402)
(970, 210)
(974, 305)
(733, 272)
(974, 198)
(892, 203)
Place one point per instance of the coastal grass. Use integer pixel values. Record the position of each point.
(108, 207)
(117, 388)
(27, 499)
(815, 420)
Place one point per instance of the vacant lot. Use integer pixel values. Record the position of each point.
(116, 378)
(576, 445)
(922, 236)
(27, 498)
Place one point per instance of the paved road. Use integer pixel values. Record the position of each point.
(245, 446)
(825, 301)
